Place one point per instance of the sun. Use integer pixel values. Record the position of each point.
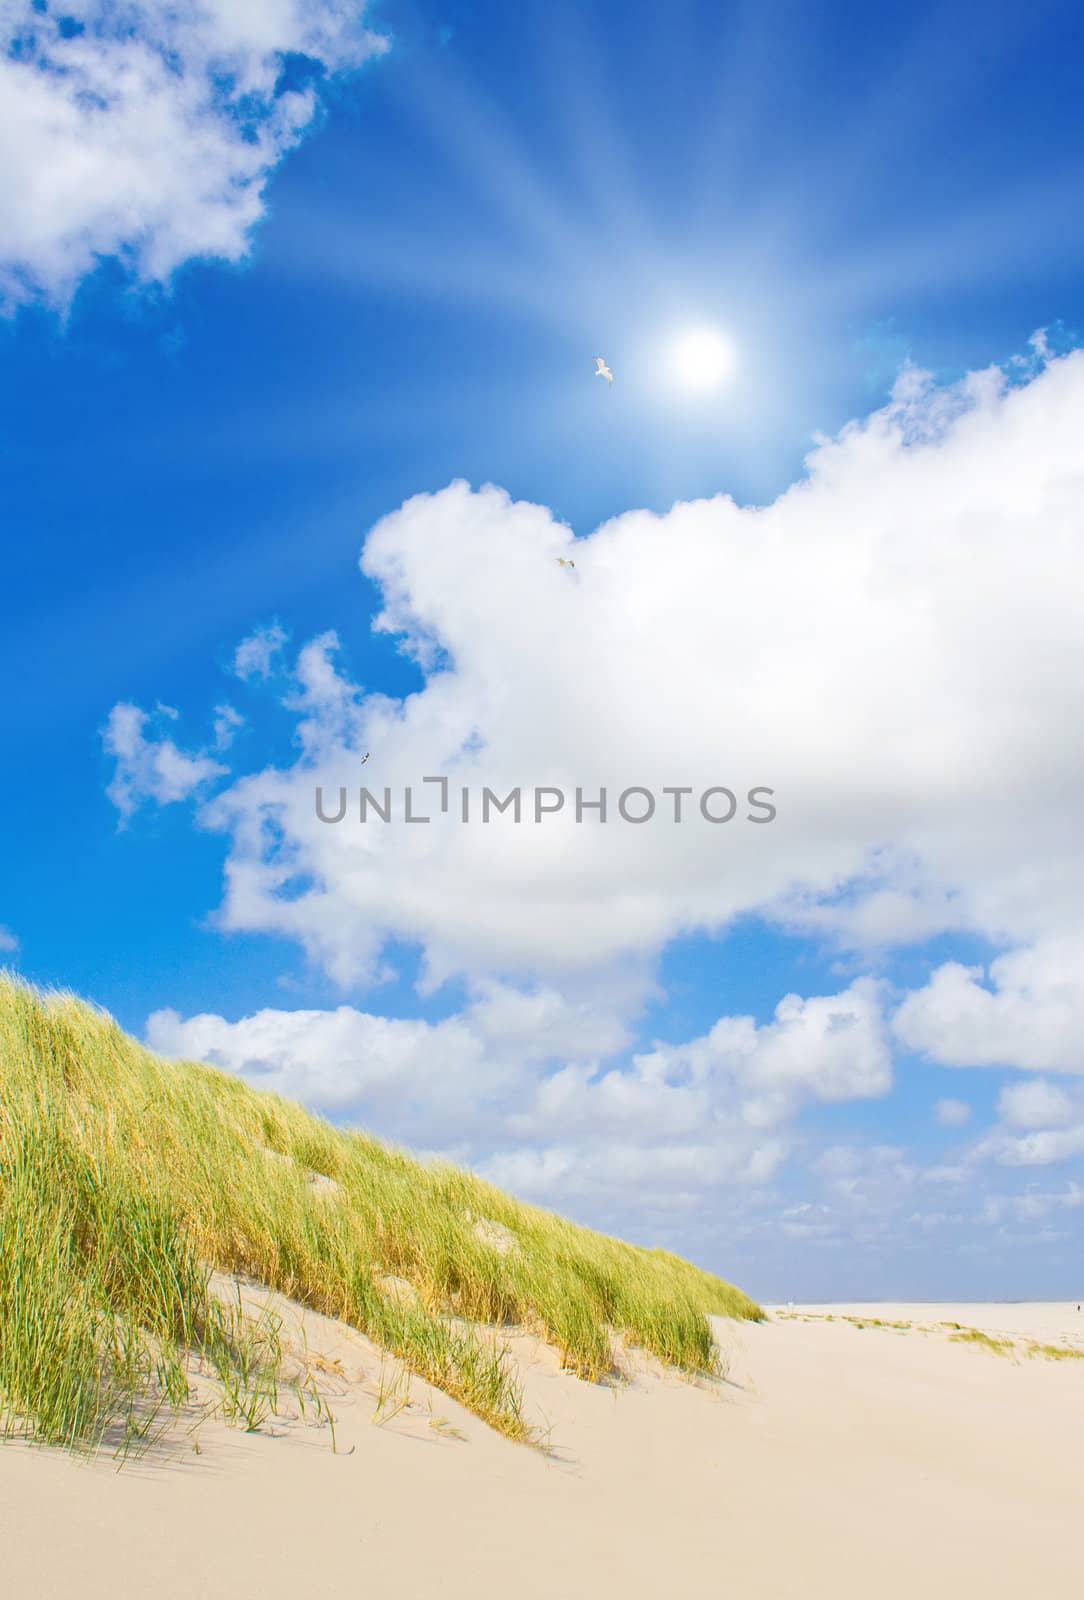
(701, 359)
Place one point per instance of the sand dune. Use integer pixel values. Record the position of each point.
(837, 1460)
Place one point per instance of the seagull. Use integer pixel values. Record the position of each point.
(561, 562)
(365, 758)
(602, 370)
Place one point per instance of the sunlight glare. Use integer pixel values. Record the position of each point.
(701, 359)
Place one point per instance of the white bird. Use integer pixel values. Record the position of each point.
(365, 758)
(561, 562)
(602, 370)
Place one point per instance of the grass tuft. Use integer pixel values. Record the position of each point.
(984, 1341)
(125, 1180)
(1055, 1352)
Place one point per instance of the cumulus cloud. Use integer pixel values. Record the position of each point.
(1027, 1011)
(438, 1080)
(1039, 1124)
(828, 1048)
(154, 769)
(147, 131)
(843, 646)
(516, 1084)
(1038, 1104)
(1041, 1147)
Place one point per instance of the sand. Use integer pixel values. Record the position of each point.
(835, 1460)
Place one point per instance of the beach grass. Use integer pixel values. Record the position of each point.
(127, 1179)
(979, 1339)
(1054, 1352)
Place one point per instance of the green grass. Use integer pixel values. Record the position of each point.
(126, 1179)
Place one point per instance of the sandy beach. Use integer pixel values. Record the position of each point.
(839, 1457)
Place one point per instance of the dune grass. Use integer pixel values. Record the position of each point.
(126, 1179)
(877, 1322)
(981, 1340)
(1054, 1352)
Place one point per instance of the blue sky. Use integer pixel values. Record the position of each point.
(375, 253)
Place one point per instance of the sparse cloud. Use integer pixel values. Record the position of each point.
(952, 1113)
(228, 723)
(1032, 1204)
(256, 654)
(152, 769)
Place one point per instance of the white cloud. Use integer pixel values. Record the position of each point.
(634, 1174)
(255, 655)
(151, 769)
(1038, 1104)
(147, 131)
(228, 723)
(952, 1113)
(514, 1084)
(1041, 1148)
(1039, 1123)
(688, 1142)
(864, 1191)
(843, 646)
(688, 1117)
(1029, 1014)
(1032, 1205)
(8, 942)
(438, 1082)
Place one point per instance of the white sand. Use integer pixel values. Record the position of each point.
(836, 1461)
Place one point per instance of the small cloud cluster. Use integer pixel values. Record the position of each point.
(147, 131)
(153, 769)
(256, 655)
(1039, 1123)
(1027, 1011)
(228, 724)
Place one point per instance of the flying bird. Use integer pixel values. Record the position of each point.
(561, 562)
(602, 370)
(365, 758)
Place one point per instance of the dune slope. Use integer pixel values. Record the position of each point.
(127, 1180)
